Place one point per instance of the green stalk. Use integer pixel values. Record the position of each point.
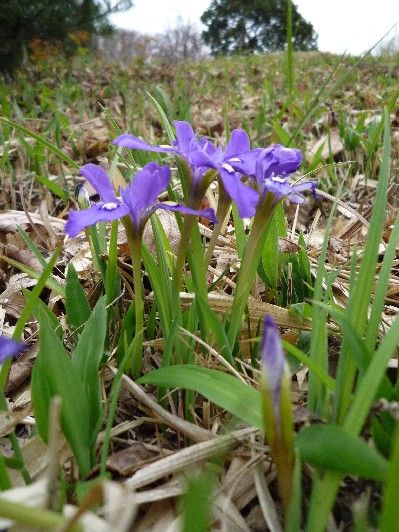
(33, 517)
(389, 516)
(5, 482)
(134, 241)
(279, 436)
(135, 247)
(249, 265)
(221, 214)
(323, 495)
(181, 258)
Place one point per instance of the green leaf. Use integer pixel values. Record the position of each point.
(362, 286)
(32, 246)
(56, 375)
(222, 389)
(51, 282)
(214, 326)
(389, 516)
(160, 287)
(53, 187)
(332, 447)
(294, 514)
(87, 358)
(77, 307)
(381, 288)
(197, 502)
(41, 397)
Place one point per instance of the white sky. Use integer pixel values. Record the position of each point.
(342, 25)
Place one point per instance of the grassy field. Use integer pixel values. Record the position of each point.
(141, 390)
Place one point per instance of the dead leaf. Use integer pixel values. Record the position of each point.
(21, 370)
(332, 146)
(10, 219)
(129, 460)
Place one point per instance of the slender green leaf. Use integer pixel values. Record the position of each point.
(160, 288)
(361, 289)
(44, 142)
(53, 187)
(381, 289)
(222, 389)
(76, 304)
(294, 515)
(86, 359)
(323, 376)
(390, 501)
(51, 282)
(197, 502)
(55, 322)
(58, 372)
(332, 447)
(32, 246)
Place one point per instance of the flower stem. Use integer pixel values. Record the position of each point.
(222, 212)
(134, 241)
(181, 253)
(249, 265)
(33, 517)
(138, 307)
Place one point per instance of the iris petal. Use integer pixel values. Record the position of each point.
(134, 143)
(244, 196)
(79, 220)
(208, 213)
(99, 180)
(239, 143)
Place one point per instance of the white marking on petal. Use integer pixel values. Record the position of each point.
(235, 160)
(110, 206)
(228, 167)
(278, 179)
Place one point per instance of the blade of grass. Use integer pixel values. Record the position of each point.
(361, 289)
(60, 154)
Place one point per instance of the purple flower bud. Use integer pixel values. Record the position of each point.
(273, 362)
(9, 348)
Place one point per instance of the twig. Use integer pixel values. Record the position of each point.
(181, 425)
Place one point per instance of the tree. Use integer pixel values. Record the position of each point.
(21, 21)
(181, 43)
(242, 26)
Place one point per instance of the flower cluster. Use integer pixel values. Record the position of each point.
(246, 175)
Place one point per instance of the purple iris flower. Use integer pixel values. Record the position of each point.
(273, 361)
(272, 171)
(236, 159)
(138, 200)
(185, 145)
(9, 348)
(202, 155)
